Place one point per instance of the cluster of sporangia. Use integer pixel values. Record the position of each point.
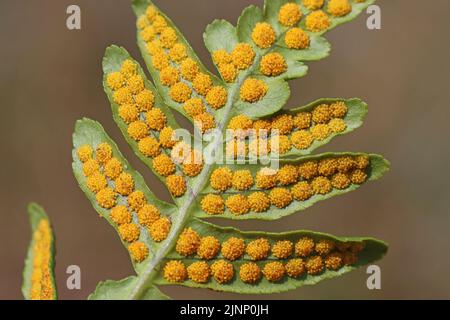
(289, 183)
(272, 259)
(115, 191)
(147, 125)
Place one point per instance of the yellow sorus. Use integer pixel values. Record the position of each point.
(128, 113)
(337, 125)
(148, 214)
(345, 164)
(221, 57)
(274, 271)
(151, 12)
(178, 52)
(180, 151)
(137, 130)
(159, 23)
(238, 204)
(188, 242)
(272, 64)
(240, 124)
(317, 21)
(194, 107)
(253, 90)
(160, 60)
(302, 120)
(266, 178)
(313, 4)
(90, 167)
(193, 164)
(340, 181)
(284, 123)
(233, 248)
(259, 147)
(106, 198)
(242, 56)
(263, 35)
(96, 182)
(168, 37)
(297, 38)
(236, 148)
(287, 174)
(138, 251)
(84, 153)
(156, 119)
(154, 47)
(175, 271)
(189, 69)
(308, 170)
(334, 261)
(289, 14)
(339, 8)
(321, 185)
(258, 249)
(304, 247)
(128, 69)
(228, 72)
(221, 179)
(242, 180)
(280, 144)
(358, 176)
(204, 121)
(142, 22)
(123, 96)
(169, 76)
(338, 109)
(209, 248)
(324, 247)
(145, 100)
(42, 287)
(115, 80)
(180, 92)
(302, 191)
(283, 249)
(167, 137)
(314, 265)
(120, 215)
(124, 184)
(149, 147)
(321, 131)
(199, 272)
(163, 165)
(295, 268)
(136, 200)
(321, 114)
(113, 168)
(213, 204)
(250, 272)
(280, 197)
(222, 271)
(258, 202)
(302, 139)
(217, 97)
(129, 232)
(160, 229)
(202, 83)
(362, 161)
(176, 185)
(148, 33)
(328, 166)
(262, 124)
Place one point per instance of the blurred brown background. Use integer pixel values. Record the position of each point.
(50, 76)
